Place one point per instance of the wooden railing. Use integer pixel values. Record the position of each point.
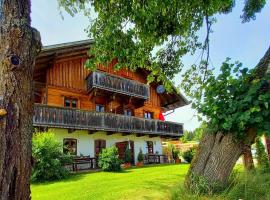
(58, 117)
(117, 84)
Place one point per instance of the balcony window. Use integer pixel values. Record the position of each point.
(70, 146)
(148, 115)
(71, 103)
(100, 108)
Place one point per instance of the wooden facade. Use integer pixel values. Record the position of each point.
(61, 80)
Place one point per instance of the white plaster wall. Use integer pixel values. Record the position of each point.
(86, 142)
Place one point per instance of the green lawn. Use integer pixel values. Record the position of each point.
(153, 182)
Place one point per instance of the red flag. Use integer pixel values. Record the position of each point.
(161, 117)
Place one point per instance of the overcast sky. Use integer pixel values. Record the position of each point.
(244, 42)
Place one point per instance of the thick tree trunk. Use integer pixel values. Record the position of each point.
(247, 158)
(19, 45)
(215, 158)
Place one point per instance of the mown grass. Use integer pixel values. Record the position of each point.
(153, 182)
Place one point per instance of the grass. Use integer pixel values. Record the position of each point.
(253, 185)
(153, 182)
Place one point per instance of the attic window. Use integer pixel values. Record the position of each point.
(71, 102)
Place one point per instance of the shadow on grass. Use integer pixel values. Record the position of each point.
(158, 165)
(73, 177)
(77, 176)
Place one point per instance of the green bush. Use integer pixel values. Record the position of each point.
(189, 154)
(261, 154)
(140, 156)
(128, 157)
(108, 160)
(49, 158)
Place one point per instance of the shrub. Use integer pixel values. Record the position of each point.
(261, 154)
(127, 158)
(49, 158)
(108, 160)
(140, 156)
(175, 153)
(189, 154)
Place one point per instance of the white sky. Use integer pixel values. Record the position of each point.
(244, 42)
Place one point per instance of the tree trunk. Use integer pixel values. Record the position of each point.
(215, 158)
(19, 45)
(247, 158)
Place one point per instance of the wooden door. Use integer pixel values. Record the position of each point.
(121, 146)
(99, 145)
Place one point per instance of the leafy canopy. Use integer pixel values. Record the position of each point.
(152, 34)
(233, 101)
(156, 34)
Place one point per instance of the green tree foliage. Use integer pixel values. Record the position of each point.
(194, 135)
(234, 101)
(189, 154)
(188, 136)
(49, 158)
(140, 156)
(261, 155)
(128, 157)
(108, 160)
(152, 34)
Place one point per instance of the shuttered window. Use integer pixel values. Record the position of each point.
(70, 146)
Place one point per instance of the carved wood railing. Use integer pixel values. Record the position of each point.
(117, 84)
(58, 117)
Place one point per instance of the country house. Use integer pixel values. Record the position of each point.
(89, 111)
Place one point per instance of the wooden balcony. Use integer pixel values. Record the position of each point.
(57, 117)
(116, 84)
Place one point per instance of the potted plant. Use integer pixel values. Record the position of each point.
(140, 159)
(175, 154)
(127, 158)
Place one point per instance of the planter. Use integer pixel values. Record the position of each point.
(177, 161)
(139, 164)
(126, 165)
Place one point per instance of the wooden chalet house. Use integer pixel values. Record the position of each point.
(89, 111)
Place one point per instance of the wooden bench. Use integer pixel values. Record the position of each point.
(82, 160)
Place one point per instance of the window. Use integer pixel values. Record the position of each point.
(128, 112)
(70, 146)
(99, 145)
(100, 108)
(71, 103)
(148, 115)
(150, 147)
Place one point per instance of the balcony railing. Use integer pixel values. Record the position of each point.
(117, 84)
(57, 117)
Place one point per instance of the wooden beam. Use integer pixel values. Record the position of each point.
(151, 136)
(110, 133)
(90, 132)
(71, 130)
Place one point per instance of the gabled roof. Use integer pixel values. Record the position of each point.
(51, 53)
